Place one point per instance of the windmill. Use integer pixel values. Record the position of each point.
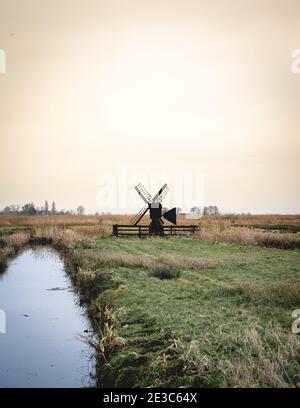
(154, 206)
(157, 217)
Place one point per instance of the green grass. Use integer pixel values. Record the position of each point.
(10, 229)
(274, 227)
(217, 313)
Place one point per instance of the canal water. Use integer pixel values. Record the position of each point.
(42, 346)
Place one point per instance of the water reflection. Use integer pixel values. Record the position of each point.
(43, 322)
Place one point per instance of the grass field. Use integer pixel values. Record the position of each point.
(211, 312)
(225, 320)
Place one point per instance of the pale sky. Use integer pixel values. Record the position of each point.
(157, 87)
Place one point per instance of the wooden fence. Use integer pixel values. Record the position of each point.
(143, 230)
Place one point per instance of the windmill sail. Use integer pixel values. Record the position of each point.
(143, 193)
(161, 194)
(139, 215)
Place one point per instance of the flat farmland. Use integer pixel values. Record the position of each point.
(214, 309)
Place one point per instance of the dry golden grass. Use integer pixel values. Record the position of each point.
(227, 220)
(92, 230)
(10, 244)
(225, 229)
(225, 233)
(5, 254)
(16, 240)
(251, 358)
(64, 220)
(266, 361)
(268, 219)
(108, 341)
(62, 238)
(126, 219)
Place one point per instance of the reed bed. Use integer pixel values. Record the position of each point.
(126, 219)
(223, 229)
(65, 239)
(63, 220)
(9, 246)
(224, 233)
(16, 240)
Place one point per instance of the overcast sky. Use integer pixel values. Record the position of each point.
(160, 88)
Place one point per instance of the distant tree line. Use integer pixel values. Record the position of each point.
(207, 210)
(31, 209)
